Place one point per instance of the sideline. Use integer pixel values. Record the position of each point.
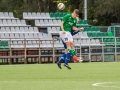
(103, 85)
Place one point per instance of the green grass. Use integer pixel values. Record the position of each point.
(50, 77)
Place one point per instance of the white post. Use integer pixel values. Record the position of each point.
(85, 9)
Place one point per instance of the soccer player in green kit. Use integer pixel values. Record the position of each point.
(68, 23)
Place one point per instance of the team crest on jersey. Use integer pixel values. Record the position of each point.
(74, 21)
(70, 23)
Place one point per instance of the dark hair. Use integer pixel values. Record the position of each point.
(76, 11)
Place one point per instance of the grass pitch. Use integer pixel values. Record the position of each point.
(83, 76)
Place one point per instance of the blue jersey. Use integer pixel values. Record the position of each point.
(72, 33)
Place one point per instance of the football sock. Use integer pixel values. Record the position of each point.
(67, 58)
(72, 52)
(62, 58)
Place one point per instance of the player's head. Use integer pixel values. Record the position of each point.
(75, 13)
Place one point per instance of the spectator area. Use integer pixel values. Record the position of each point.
(16, 34)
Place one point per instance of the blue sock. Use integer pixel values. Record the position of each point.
(67, 58)
(62, 58)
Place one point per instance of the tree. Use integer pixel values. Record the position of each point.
(106, 11)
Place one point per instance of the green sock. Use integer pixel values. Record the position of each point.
(74, 52)
(71, 51)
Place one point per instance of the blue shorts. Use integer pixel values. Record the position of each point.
(72, 33)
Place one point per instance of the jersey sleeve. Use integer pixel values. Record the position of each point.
(65, 18)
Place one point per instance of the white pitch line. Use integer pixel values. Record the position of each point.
(103, 85)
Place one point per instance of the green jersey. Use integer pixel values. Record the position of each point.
(69, 22)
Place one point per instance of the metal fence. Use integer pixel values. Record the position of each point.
(105, 51)
(115, 30)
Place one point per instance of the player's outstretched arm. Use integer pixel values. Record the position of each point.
(61, 25)
(77, 29)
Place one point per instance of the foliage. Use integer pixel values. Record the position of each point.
(105, 11)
